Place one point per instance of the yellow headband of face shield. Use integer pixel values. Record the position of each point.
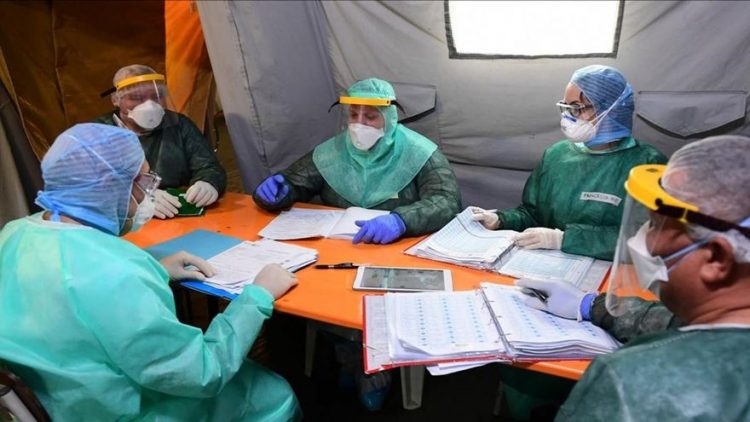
(140, 78)
(644, 186)
(378, 102)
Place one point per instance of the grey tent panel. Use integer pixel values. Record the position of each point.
(492, 118)
(691, 113)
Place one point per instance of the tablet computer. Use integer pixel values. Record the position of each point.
(403, 279)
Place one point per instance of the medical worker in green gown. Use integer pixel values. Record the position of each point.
(175, 148)
(685, 238)
(88, 319)
(573, 199)
(375, 163)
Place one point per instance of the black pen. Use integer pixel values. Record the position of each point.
(339, 266)
(536, 293)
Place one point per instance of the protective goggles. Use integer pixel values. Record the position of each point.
(572, 110)
(644, 185)
(375, 102)
(148, 182)
(156, 78)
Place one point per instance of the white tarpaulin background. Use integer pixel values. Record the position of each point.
(279, 66)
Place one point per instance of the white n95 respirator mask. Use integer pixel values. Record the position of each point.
(578, 130)
(147, 115)
(652, 270)
(143, 213)
(364, 137)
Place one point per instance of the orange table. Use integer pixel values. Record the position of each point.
(327, 295)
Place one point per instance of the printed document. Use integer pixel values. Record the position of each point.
(463, 329)
(466, 242)
(238, 266)
(303, 223)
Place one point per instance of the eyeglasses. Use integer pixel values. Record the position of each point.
(572, 110)
(148, 182)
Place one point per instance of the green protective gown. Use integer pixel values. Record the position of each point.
(178, 152)
(368, 178)
(695, 375)
(642, 317)
(88, 321)
(580, 192)
(426, 204)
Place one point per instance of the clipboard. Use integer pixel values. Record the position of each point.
(201, 243)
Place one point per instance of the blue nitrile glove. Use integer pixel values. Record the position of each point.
(273, 189)
(383, 229)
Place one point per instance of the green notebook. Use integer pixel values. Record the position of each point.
(186, 209)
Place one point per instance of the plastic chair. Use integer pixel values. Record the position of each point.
(18, 399)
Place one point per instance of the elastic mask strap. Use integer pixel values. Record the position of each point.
(54, 215)
(622, 96)
(682, 253)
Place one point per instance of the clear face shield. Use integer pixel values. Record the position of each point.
(364, 120)
(143, 99)
(644, 256)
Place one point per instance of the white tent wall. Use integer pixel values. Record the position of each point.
(279, 65)
(273, 78)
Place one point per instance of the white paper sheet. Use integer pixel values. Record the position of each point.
(535, 333)
(541, 264)
(443, 323)
(303, 223)
(238, 266)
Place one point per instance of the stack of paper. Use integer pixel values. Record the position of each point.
(464, 241)
(302, 223)
(537, 335)
(471, 327)
(238, 266)
(422, 331)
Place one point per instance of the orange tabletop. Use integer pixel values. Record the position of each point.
(326, 295)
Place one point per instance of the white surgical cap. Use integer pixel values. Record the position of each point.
(714, 175)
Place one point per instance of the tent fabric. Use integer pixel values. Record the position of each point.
(60, 55)
(273, 77)
(189, 74)
(493, 118)
(18, 159)
(692, 113)
(11, 190)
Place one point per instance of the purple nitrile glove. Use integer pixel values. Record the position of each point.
(383, 229)
(273, 189)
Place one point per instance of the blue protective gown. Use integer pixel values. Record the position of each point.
(88, 321)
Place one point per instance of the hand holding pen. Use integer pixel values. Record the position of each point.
(557, 297)
(488, 218)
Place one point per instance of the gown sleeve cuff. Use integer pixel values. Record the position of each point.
(261, 297)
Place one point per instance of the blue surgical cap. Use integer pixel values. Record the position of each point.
(605, 86)
(88, 175)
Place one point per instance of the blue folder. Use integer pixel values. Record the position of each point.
(202, 243)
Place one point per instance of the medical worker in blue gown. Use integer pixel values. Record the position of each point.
(88, 319)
